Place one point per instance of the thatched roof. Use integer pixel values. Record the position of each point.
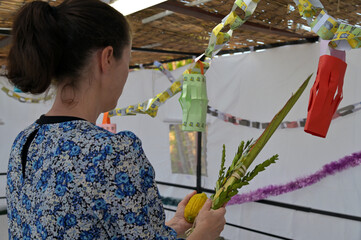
(185, 33)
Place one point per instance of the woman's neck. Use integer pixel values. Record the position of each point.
(82, 104)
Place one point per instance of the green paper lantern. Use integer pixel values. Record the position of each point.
(194, 102)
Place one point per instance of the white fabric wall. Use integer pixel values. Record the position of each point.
(253, 86)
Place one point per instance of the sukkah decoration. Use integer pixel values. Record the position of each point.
(16, 95)
(194, 99)
(326, 93)
(226, 117)
(329, 169)
(194, 94)
(217, 40)
(151, 106)
(342, 36)
(111, 127)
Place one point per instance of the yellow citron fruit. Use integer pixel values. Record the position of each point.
(194, 206)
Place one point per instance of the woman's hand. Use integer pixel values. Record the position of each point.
(209, 223)
(178, 222)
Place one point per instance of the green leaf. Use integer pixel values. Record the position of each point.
(276, 121)
(260, 167)
(238, 154)
(232, 193)
(247, 152)
(217, 185)
(249, 144)
(221, 171)
(239, 185)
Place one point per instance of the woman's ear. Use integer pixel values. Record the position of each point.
(106, 58)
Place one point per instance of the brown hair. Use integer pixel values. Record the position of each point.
(54, 43)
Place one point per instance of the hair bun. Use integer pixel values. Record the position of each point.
(36, 47)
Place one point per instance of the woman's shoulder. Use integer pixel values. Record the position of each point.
(124, 137)
(22, 136)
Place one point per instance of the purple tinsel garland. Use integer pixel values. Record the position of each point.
(275, 190)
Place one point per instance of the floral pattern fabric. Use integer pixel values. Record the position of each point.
(83, 182)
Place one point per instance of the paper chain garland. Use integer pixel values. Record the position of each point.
(22, 99)
(342, 36)
(151, 106)
(256, 124)
(327, 170)
(263, 125)
(217, 40)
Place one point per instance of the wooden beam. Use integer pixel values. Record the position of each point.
(214, 17)
(167, 12)
(137, 49)
(232, 51)
(190, 11)
(5, 31)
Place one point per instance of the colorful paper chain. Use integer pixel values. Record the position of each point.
(256, 124)
(216, 42)
(287, 124)
(327, 170)
(151, 106)
(218, 39)
(22, 99)
(343, 37)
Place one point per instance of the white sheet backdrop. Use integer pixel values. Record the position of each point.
(253, 86)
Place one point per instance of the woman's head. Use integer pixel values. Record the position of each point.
(56, 43)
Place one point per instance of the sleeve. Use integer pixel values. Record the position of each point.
(125, 197)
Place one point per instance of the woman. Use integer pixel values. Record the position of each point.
(68, 178)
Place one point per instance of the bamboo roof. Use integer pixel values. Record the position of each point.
(186, 32)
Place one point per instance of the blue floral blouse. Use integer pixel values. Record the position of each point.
(79, 181)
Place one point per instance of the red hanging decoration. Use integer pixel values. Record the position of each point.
(326, 95)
